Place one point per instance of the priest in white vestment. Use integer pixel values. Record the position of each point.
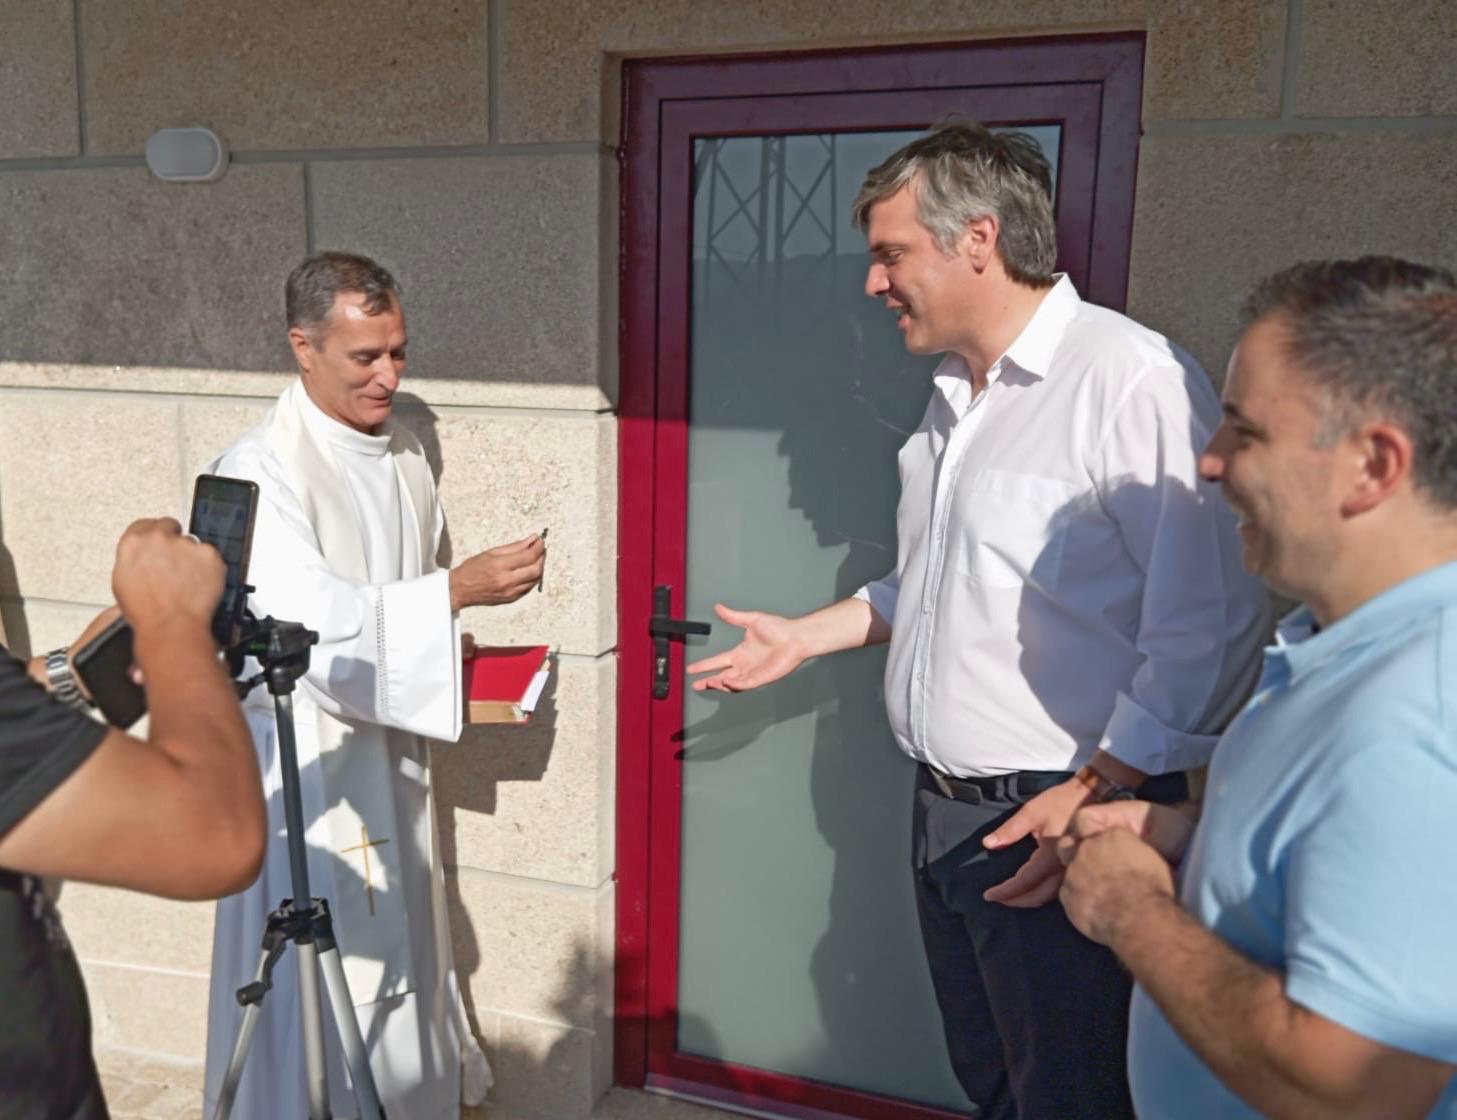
(346, 540)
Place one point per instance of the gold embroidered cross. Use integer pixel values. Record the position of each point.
(365, 843)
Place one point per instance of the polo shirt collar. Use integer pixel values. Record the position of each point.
(1303, 648)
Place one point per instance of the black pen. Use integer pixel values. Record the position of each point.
(542, 581)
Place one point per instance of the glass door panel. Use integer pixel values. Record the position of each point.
(798, 949)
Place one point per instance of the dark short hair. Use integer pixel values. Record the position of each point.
(1375, 335)
(963, 171)
(312, 287)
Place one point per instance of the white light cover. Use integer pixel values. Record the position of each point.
(186, 155)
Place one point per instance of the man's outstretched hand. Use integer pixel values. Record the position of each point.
(770, 649)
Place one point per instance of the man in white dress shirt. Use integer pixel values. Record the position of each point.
(346, 541)
(1068, 618)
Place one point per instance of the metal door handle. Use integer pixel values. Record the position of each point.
(663, 629)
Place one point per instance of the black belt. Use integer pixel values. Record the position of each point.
(1020, 785)
(1023, 785)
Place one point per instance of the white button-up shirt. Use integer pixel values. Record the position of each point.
(1064, 580)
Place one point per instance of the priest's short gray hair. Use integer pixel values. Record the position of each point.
(962, 172)
(1375, 336)
(313, 286)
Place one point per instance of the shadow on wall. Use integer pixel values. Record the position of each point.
(544, 1072)
(552, 1079)
(14, 630)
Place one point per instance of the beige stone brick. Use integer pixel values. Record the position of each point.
(37, 625)
(1377, 59)
(110, 267)
(273, 74)
(531, 949)
(118, 457)
(111, 926)
(558, 75)
(210, 426)
(501, 263)
(38, 79)
(545, 1072)
(1216, 213)
(164, 1013)
(505, 475)
(536, 801)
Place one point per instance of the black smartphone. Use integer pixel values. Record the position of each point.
(223, 510)
(104, 666)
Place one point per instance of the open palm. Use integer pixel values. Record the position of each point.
(769, 650)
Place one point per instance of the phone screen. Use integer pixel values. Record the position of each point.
(222, 516)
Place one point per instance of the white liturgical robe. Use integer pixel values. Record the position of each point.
(345, 542)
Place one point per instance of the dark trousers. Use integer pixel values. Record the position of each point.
(1035, 1014)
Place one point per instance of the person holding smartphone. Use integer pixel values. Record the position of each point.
(177, 814)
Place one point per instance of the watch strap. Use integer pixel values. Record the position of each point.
(62, 680)
(1102, 787)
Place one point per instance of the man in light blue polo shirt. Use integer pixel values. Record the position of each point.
(1308, 967)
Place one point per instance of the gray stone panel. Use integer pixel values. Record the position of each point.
(1216, 213)
(500, 260)
(559, 66)
(112, 267)
(275, 74)
(37, 79)
(1380, 58)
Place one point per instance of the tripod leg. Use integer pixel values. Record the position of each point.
(313, 1029)
(352, 1041)
(244, 1039)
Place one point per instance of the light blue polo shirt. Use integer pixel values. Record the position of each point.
(1328, 844)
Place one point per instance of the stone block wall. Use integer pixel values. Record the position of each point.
(470, 145)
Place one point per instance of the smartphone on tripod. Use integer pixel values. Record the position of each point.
(223, 510)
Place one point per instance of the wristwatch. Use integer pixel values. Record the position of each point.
(62, 680)
(1103, 787)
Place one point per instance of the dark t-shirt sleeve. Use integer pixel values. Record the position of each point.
(42, 742)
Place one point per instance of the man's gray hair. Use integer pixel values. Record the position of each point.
(312, 287)
(962, 172)
(1376, 335)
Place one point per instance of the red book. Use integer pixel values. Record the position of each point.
(503, 683)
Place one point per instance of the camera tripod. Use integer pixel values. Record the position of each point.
(282, 651)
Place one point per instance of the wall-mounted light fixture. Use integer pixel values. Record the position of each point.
(186, 155)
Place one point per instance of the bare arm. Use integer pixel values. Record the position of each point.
(1282, 1059)
(774, 646)
(181, 813)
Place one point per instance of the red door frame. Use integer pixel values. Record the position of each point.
(1092, 85)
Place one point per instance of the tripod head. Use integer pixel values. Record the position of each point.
(280, 648)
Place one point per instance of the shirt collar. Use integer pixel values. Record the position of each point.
(1303, 647)
(1031, 351)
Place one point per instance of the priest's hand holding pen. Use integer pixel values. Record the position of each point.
(498, 575)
